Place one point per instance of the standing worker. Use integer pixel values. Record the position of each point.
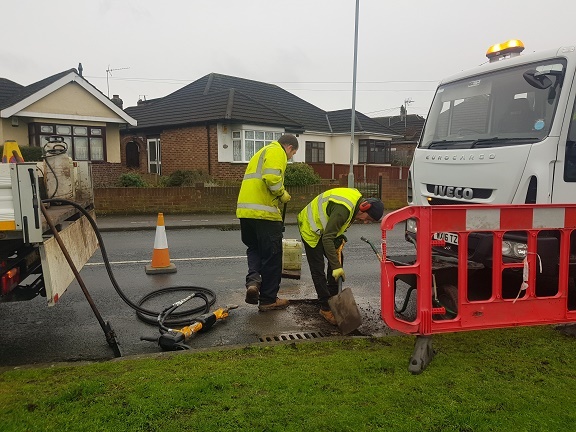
(260, 196)
(322, 224)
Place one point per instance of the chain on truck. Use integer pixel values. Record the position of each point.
(502, 133)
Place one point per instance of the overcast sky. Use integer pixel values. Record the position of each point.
(152, 48)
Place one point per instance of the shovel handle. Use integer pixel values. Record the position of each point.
(339, 285)
(284, 217)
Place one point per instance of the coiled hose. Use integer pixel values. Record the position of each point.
(181, 318)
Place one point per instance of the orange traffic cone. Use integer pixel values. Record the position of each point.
(160, 257)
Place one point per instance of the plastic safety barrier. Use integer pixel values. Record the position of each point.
(505, 291)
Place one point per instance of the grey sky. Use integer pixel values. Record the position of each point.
(304, 46)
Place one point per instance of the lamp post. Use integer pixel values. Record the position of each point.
(353, 120)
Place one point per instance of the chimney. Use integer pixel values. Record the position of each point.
(117, 101)
(80, 69)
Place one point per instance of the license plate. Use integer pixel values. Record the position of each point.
(447, 237)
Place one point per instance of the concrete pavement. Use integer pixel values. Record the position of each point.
(176, 221)
(173, 221)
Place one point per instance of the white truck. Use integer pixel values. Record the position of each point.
(501, 133)
(31, 261)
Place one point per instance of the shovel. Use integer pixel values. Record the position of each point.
(344, 307)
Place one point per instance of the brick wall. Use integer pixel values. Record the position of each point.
(216, 199)
(185, 149)
(106, 174)
(194, 199)
(394, 193)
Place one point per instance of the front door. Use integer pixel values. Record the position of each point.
(154, 156)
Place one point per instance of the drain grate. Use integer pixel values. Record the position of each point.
(292, 336)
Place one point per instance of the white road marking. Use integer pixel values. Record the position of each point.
(172, 259)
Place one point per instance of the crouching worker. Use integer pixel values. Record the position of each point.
(322, 224)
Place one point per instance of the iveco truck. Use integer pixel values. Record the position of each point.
(502, 133)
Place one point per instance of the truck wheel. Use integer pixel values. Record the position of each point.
(447, 297)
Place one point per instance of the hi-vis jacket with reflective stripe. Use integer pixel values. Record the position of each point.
(312, 219)
(263, 183)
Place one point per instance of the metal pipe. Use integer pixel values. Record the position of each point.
(108, 332)
(353, 120)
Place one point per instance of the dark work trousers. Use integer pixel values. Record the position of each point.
(264, 241)
(325, 285)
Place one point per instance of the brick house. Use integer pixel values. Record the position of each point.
(409, 128)
(65, 104)
(216, 124)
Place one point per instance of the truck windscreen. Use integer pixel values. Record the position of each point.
(511, 106)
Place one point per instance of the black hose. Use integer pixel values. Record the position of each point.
(59, 147)
(406, 301)
(178, 318)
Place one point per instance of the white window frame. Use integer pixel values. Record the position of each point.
(157, 161)
(242, 139)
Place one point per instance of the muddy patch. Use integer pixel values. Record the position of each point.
(307, 315)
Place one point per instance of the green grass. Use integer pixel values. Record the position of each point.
(500, 380)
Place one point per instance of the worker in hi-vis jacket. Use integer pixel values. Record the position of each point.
(258, 208)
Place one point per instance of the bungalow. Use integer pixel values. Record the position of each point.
(217, 123)
(409, 127)
(65, 104)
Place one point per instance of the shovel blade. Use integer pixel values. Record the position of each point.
(346, 311)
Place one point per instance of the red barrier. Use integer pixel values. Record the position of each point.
(486, 297)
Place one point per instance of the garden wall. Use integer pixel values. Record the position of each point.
(222, 199)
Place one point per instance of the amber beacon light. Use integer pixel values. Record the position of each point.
(510, 48)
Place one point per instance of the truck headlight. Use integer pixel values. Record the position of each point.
(411, 226)
(514, 249)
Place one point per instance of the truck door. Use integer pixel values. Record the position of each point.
(565, 176)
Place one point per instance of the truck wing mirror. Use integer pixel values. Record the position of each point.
(537, 79)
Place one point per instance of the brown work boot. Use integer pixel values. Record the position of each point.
(252, 294)
(278, 304)
(328, 316)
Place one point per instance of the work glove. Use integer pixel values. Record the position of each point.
(337, 273)
(285, 197)
(338, 241)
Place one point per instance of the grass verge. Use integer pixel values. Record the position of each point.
(499, 380)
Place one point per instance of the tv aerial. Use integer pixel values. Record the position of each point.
(109, 74)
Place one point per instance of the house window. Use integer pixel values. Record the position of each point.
(154, 156)
(374, 151)
(246, 143)
(84, 143)
(314, 151)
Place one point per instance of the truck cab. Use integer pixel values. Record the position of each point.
(502, 133)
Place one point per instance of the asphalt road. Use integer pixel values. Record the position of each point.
(212, 258)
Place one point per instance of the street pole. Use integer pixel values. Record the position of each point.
(353, 121)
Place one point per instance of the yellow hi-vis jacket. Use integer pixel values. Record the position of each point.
(263, 184)
(312, 219)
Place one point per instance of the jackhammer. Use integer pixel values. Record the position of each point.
(175, 339)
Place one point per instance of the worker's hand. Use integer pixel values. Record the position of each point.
(339, 241)
(285, 197)
(338, 273)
